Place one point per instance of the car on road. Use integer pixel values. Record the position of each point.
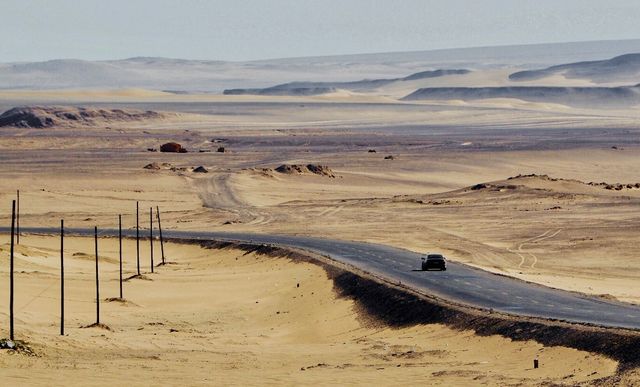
(434, 262)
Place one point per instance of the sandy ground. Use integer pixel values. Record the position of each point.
(562, 233)
(228, 317)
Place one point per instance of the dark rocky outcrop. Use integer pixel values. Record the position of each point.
(172, 147)
(320, 170)
(69, 116)
(200, 169)
(435, 74)
(295, 169)
(25, 118)
(153, 166)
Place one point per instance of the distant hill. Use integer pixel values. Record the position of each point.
(150, 73)
(623, 68)
(185, 76)
(291, 89)
(572, 96)
(316, 88)
(545, 54)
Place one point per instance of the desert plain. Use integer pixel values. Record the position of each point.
(541, 191)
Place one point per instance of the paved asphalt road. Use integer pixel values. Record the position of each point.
(460, 283)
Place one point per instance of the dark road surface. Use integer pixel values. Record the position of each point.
(460, 283)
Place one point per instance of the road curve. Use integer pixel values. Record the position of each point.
(460, 283)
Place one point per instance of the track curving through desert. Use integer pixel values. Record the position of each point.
(460, 284)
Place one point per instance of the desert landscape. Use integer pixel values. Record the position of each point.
(549, 206)
(245, 317)
(520, 161)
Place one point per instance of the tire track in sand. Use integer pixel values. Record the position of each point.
(534, 258)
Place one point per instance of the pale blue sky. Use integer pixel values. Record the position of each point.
(260, 29)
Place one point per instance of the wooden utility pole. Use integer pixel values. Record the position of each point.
(62, 277)
(151, 235)
(97, 279)
(160, 231)
(18, 217)
(120, 245)
(138, 237)
(13, 221)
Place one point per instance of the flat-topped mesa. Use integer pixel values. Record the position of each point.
(623, 68)
(70, 116)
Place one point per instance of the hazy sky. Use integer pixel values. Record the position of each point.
(257, 29)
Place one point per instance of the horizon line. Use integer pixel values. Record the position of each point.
(323, 56)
